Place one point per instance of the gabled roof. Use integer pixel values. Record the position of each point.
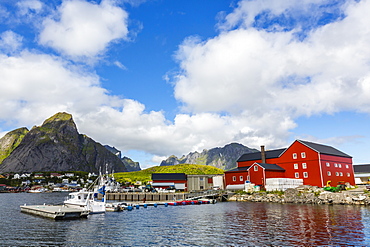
(270, 154)
(365, 168)
(169, 176)
(324, 149)
(272, 167)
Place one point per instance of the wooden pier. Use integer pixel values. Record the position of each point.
(57, 212)
(161, 197)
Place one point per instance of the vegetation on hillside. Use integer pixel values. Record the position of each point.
(146, 175)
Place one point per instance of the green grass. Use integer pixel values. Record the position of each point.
(146, 175)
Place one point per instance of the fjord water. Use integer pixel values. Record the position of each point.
(221, 224)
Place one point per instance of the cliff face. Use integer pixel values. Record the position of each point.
(57, 146)
(10, 141)
(224, 158)
(131, 165)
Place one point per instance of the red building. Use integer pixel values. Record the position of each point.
(166, 180)
(315, 163)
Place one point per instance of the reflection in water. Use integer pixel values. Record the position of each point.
(222, 224)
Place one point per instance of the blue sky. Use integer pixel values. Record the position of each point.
(157, 78)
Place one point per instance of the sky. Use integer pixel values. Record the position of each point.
(155, 78)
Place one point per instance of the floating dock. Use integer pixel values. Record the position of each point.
(57, 212)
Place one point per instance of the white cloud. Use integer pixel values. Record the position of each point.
(10, 42)
(257, 72)
(30, 6)
(83, 29)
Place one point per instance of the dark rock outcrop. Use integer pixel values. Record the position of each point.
(131, 165)
(223, 158)
(56, 145)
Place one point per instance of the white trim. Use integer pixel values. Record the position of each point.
(321, 176)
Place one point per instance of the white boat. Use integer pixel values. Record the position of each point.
(86, 199)
(39, 190)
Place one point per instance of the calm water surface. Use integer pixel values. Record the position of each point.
(221, 224)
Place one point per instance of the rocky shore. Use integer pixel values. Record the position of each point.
(308, 195)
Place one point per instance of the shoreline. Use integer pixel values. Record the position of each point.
(308, 195)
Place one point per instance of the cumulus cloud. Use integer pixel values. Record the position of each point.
(255, 72)
(29, 7)
(10, 42)
(83, 29)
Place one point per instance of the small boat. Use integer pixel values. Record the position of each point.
(86, 199)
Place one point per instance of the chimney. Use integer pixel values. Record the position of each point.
(263, 154)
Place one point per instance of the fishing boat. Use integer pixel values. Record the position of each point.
(86, 199)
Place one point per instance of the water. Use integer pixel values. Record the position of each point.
(221, 224)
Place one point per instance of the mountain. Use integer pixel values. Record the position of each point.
(56, 145)
(131, 165)
(224, 158)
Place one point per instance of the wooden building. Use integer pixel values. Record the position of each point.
(315, 163)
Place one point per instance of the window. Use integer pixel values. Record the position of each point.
(255, 168)
(295, 166)
(329, 173)
(327, 164)
(296, 175)
(303, 155)
(305, 174)
(201, 187)
(294, 156)
(241, 178)
(304, 165)
(348, 175)
(234, 178)
(340, 165)
(201, 179)
(337, 174)
(341, 174)
(347, 166)
(335, 165)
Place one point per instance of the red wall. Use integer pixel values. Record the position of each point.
(257, 177)
(343, 172)
(310, 158)
(229, 177)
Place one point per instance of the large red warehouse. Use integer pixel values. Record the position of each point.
(315, 163)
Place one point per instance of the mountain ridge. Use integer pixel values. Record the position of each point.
(221, 157)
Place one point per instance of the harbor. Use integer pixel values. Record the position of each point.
(219, 224)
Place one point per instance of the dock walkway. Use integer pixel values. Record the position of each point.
(56, 212)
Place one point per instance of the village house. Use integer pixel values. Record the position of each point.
(316, 164)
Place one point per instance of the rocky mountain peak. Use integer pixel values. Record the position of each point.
(56, 145)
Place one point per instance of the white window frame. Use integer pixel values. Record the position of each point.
(234, 178)
(341, 174)
(255, 168)
(340, 165)
(241, 178)
(348, 174)
(303, 155)
(305, 174)
(327, 164)
(329, 173)
(337, 174)
(304, 165)
(295, 165)
(347, 166)
(335, 165)
(296, 174)
(294, 156)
